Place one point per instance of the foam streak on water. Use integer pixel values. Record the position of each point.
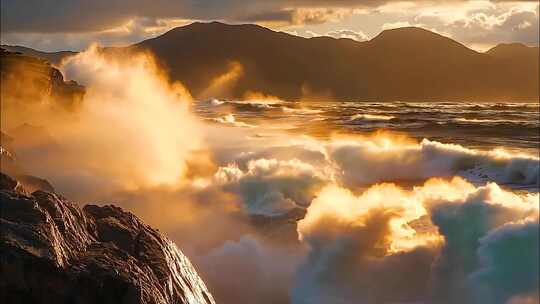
(514, 126)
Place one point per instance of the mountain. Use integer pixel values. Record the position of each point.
(409, 64)
(514, 51)
(52, 251)
(399, 64)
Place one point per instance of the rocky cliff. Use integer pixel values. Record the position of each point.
(29, 79)
(52, 251)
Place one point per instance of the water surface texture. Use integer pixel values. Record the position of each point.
(513, 126)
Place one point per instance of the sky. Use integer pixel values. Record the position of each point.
(53, 25)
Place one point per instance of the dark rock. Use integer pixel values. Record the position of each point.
(7, 158)
(52, 251)
(33, 183)
(10, 165)
(7, 183)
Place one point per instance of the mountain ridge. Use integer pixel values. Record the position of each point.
(409, 64)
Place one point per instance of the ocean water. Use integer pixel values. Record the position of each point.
(483, 126)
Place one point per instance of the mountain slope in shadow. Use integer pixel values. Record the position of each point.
(399, 64)
(409, 64)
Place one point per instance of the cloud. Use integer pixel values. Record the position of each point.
(122, 22)
(318, 15)
(67, 16)
(350, 34)
(299, 16)
(131, 31)
(72, 16)
(495, 23)
(393, 25)
(337, 34)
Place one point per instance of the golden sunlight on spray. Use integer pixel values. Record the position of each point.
(134, 125)
(409, 226)
(388, 140)
(261, 97)
(378, 140)
(222, 85)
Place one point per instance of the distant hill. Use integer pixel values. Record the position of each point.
(410, 64)
(399, 64)
(514, 51)
(55, 58)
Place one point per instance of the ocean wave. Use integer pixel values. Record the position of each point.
(216, 102)
(300, 110)
(371, 117)
(489, 121)
(380, 160)
(230, 119)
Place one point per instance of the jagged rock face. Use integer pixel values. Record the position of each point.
(52, 251)
(31, 79)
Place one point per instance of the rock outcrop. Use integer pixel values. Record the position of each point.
(30, 79)
(52, 251)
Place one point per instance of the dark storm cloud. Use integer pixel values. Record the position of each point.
(80, 15)
(267, 16)
(47, 16)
